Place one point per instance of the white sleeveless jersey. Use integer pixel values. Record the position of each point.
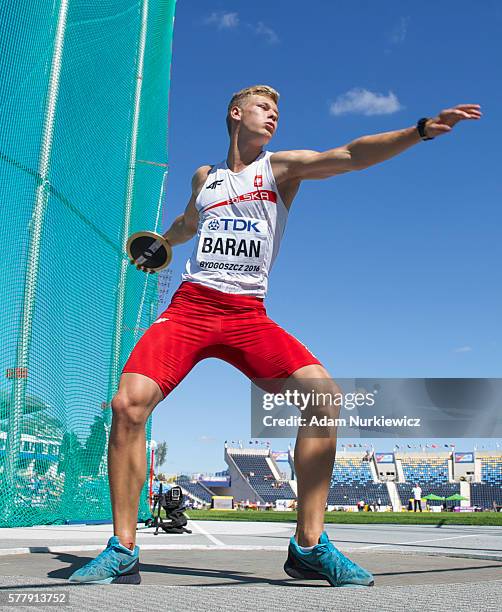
(241, 222)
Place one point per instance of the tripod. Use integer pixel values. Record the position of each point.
(172, 503)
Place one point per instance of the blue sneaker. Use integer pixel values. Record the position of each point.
(325, 562)
(116, 564)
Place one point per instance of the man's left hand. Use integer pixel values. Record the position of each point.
(446, 119)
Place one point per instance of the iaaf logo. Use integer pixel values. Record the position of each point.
(235, 225)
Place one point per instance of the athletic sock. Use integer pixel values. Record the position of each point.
(305, 548)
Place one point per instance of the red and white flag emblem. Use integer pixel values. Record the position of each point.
(258, 180)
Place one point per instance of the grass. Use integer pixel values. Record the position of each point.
(356, 518)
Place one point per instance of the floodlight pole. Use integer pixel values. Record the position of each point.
(32, 265)
(121, 289)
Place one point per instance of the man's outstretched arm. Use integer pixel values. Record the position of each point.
(367, 150)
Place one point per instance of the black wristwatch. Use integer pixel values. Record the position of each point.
(421, 128)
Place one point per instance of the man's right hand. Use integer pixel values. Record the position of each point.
(149, 251)
(142, 268)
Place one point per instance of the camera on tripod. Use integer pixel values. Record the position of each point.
(172, 503)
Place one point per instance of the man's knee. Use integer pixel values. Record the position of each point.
(316, 378)
(133, 410)
(308, 372)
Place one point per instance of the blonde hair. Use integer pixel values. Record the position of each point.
(254, 90)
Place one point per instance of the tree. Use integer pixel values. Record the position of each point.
(95, 446)
(160, 454)
(69, 454)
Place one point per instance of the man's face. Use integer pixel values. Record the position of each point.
(259, 117)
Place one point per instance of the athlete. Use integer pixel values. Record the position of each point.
(238, 211)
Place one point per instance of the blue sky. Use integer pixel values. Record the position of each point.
(393, 271)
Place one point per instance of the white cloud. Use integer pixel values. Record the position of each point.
(364, 102)
(223, 21)
(231, 21)
(207, 439)
(263, 30)
(398, 34)
(463, 349)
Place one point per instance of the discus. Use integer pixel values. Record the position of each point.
(149, 250)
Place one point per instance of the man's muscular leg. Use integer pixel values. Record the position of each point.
(136, 398)
(314, 457)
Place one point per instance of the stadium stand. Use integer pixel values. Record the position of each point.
(352, 482)
(350, 495)
(444, 489)
(355, 477)
(485, 495)
(428, 470)
(488, 492)
(195, 490)
(351, 471)
(257, 471)
(491, 470)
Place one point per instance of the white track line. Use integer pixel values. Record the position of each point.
(91, 547)
(4, 552)
(210, 537)
(471, 535)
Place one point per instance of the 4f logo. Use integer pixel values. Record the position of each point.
(214, 184)
(258, 180)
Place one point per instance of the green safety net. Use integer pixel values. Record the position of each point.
(83, 161)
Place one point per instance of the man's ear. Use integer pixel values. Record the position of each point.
(236, 113)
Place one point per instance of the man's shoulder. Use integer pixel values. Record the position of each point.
(199, 177)
(202, 172)
(286, 165)
(290, 155)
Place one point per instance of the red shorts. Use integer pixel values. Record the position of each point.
(201, 322)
